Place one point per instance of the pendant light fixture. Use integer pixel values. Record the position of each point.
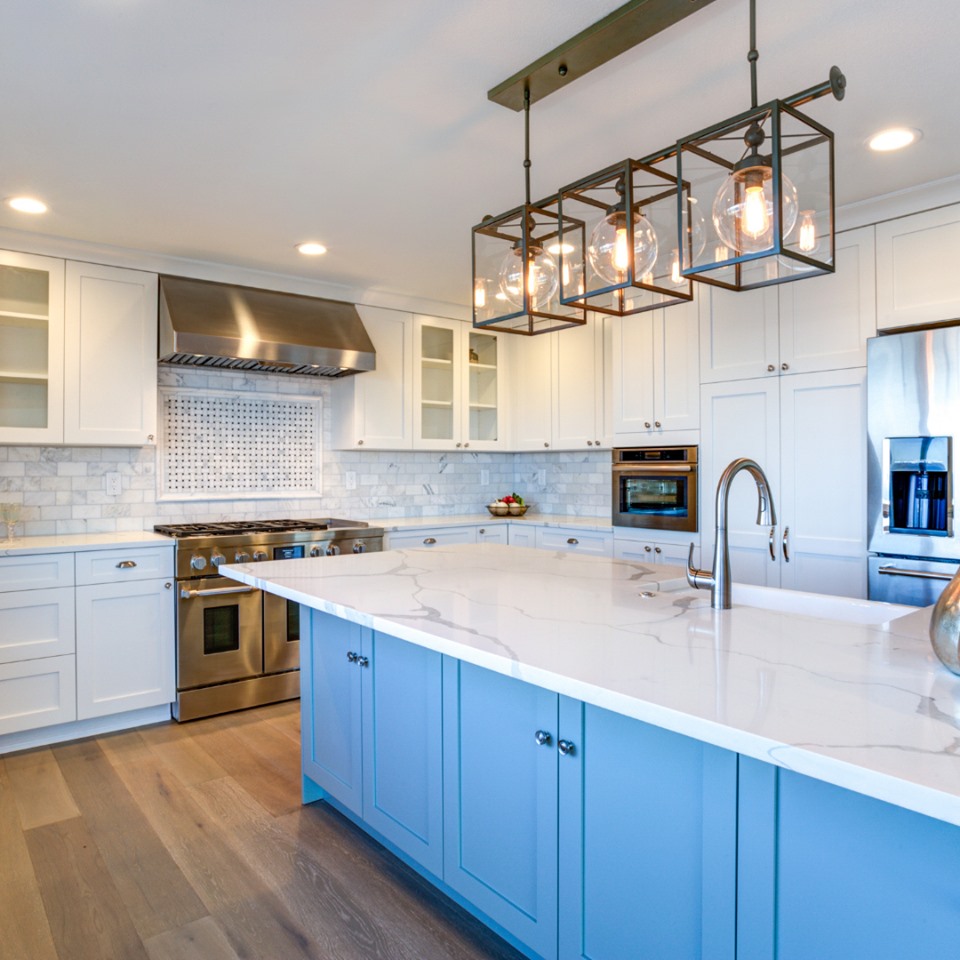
(766, 179)
(625, 259)
(517, 263)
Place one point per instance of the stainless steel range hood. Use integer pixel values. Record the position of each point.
(209, 324)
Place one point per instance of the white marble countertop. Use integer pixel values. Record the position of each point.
(397, 525)
(74, 542)
(868, 708)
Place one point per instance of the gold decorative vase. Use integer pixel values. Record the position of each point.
(945, 625)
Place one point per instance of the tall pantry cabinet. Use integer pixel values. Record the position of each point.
(784, 382)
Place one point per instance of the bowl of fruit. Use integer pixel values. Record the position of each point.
(512, 505)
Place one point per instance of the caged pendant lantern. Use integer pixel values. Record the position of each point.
(518, 264)
(762, 185)
(626, 258)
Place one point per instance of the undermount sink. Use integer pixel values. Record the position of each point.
(845, 609)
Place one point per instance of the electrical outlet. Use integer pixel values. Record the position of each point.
(484, 478)
(111, 484)
(542, 477)
(350, 479)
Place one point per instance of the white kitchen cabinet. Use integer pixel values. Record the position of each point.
(558, 388)
(820, 323)
(493, 534)
(374, 410)
(110, 370)
(654, 376)
(522, 535)
(808, 433)
(917, 278)
(36, 623)
(37, 693)
(574, 540)
(430, 537)
(31, 349)
(656, 551)
(458, 381)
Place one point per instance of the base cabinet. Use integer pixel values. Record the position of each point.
(371, 731)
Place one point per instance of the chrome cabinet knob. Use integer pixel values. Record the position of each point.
(546, 444)
(784, 366)
(216, 558)
(459, 444)
(646, 549)
(359, 443)
(363, 661)
(351, 656)
(596, 443)
(467, 444)
(259, 555)
(770, 368)
(657, 550)
(657, 424)
(167, 585)
(646, 423)
(482, 531)
(197, 562)
(565, 747)
(589, 443)
(543, 738)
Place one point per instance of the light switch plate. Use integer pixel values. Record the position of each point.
(484, 478)
(111, 484)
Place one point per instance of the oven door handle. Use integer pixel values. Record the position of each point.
(641, 468)
(891, 571)
(215, 592)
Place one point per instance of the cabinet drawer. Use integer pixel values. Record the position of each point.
(36, 623)
(37, 693)
(117, 566)
(443, 536)
(36, 572)
(579, 541)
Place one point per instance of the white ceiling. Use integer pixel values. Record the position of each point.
(229, 130)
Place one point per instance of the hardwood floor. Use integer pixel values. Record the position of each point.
(189, 842)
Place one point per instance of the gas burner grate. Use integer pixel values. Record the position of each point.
(237, 526)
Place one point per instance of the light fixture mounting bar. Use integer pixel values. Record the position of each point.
(616, 33)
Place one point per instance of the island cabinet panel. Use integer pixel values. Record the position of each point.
(371, 732)
(827, 873)
(500, 800)
(648, 841)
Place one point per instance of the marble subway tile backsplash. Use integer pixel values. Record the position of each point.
(63, 490)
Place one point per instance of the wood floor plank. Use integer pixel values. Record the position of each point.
(201, 940)
(39, 790)
(87, 917)
(153, 888)
(24, 931)
(262, 759)
(179, 750)
(250, 914)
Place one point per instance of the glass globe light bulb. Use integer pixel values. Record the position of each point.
(540, 276)
(608, 251)
(808, 241)
(743, 211)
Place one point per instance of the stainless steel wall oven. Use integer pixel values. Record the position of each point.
(655, 487)
(238, 647)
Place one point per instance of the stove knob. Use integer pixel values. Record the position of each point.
(360, 547)
(241, 557)
(333, 550)
(259, 554)
(316, 552)
(198, 562)
(217, 558)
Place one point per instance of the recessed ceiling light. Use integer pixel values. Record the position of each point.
(893, 138)
(26, 204)
(311, 249)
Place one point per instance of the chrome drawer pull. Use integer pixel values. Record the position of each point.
(126, 564)
(919, 574)
(216, 592)
(429, 540)
(573, 541)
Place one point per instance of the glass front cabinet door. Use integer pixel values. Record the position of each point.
(458, 383)
(31, 348)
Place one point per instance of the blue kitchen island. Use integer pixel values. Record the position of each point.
(593, 761)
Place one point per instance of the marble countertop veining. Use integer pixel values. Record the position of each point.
(396, 525)
(868, 708)
(74, 542)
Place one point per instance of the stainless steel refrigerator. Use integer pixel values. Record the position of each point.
(913, 424)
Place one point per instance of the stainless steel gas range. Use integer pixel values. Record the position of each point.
(238, 647)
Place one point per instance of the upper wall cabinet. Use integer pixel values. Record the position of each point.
(917, 278)
(653, 376)
(31, 349)
(110, 376)
(821, 323)
(557, 396)
(458, 377)
(374, 410)
(78, 353)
